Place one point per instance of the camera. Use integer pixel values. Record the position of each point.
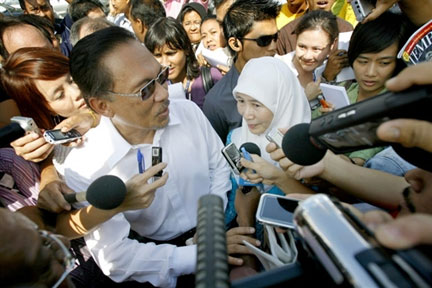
(26, 123)
(362, 8)
(348, 251)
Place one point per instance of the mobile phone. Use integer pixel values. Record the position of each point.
(362, 8)
(275, 136)
(156, 159)
(26, 123)
(233, 156)
(56, 136)
(276, 210)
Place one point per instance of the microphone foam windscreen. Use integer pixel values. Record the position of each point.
(298, 148)
(106, 192)
(252, 148)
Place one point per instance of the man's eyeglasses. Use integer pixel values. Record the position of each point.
(55, 244)
(265, 40)
(148, 89)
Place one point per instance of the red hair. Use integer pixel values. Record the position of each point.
(17, 78)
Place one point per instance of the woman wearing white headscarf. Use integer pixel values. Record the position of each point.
(268, 96)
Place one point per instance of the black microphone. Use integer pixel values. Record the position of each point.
(212, 259)
(299, 147)
(10, 133)
(252, 148)
(106, 192)
(302, 148)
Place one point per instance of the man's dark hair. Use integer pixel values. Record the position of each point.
(244, 13)
(379, 34)
(169, 31)
(91, 24)
(86, 61)
(43, 24)
(80, 8)
(148, 11)
(32, 2)
(5, 23)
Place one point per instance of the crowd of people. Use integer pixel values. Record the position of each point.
(138, 75)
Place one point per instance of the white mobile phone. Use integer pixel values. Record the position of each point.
(361, 8)
(275, 136)
(26, 123)
(58, 137)
(276, 210)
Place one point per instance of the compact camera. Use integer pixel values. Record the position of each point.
(348, 251)
(26, 123)
(362, 8)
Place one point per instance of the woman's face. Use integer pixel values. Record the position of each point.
(312, 48)
(63, 95)
(192, 23)
(211, 35)
(175, 59)
(372, 70)
(257, 116)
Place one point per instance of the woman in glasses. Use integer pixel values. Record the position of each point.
(191, 16)
(169, 43)
(317, 34)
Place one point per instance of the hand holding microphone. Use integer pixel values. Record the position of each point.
(106, 192)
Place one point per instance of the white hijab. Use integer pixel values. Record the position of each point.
(271, 82)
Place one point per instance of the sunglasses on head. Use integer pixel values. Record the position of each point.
(149, 88)
(264, 40)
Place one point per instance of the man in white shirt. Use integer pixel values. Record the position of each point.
(121, 80)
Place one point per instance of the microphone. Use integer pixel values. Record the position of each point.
(299, 147)
(212, 260)
(10, 133)
(106, 192)
(252, 148)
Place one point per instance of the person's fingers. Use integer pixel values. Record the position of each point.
(25, 139)
(381, 7)
(235, 261)
(147, 174)
(238, 249)
(408, 132)
(413, 75)
(406, 232)
(39, 154)
(374, 218)
(240, 230)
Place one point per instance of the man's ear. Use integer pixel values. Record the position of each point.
(101, 106)
(235, 44)
(335, 42)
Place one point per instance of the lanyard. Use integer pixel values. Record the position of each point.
(141, 162)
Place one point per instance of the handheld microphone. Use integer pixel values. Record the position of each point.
(106, 192)
(10, 133)
(212, 260)
(252, 148)
(354, 127)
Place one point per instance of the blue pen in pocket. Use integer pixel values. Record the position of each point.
(141, 162)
